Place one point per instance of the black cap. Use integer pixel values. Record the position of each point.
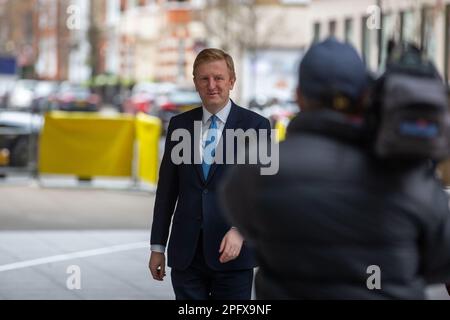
(333, 71)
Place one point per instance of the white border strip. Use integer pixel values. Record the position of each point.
(74, 255)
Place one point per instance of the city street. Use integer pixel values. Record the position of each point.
(89, 90)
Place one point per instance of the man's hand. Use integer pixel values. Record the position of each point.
(231, 245)
(157, 265)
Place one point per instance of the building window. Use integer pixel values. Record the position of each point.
(316, 36)
(407, 27)
(332, 28)
(348, 30)
(387, 33)
(295, 1)
(47, 15)
(29, 28)
(369, 44)
(428, 37)
(123, 5)
(365, 41)
(447, 44)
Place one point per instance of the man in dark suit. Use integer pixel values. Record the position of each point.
(208, 256)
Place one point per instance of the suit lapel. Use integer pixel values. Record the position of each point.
(232, 122)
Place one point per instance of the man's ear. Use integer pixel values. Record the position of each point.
(233, 81)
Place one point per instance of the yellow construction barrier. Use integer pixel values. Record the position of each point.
(281, 127)
(87, 145)
(148, 132)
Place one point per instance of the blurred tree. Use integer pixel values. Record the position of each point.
(231, 22)
(241, 26)
(94, 40)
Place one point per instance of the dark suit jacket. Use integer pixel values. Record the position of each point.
(196, 199)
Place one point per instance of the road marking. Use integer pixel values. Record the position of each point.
(74, 255)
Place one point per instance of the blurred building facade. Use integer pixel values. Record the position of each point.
(183, 36)
(78, 24)
(157, 40)
(59, 39)
(370, 24)
(270, 65)
(97, 35)
(18, 25)
(62, 46)
(266, 39)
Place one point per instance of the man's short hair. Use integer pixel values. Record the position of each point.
(212, 54)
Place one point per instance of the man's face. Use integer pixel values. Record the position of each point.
(213, 82)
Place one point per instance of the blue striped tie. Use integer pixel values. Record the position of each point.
(209, 153)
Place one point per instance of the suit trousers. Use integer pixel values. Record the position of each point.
(200, 282)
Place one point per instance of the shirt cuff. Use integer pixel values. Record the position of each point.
(158, 248)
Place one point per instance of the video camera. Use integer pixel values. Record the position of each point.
(408, 115)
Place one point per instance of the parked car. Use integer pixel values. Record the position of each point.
(176, 102)
(276, 110)
(18, 137)
(119, 98)
(22, 94)
(71, 97)
(144, 95)
(280, 112)
(6, 87)
(44, 95)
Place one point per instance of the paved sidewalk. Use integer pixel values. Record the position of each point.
(26, 206)
(40, 222)
(110, 276)
(37, 223)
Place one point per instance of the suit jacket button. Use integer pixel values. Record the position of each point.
(205, 191)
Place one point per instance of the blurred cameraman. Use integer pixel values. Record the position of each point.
(337, 222)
